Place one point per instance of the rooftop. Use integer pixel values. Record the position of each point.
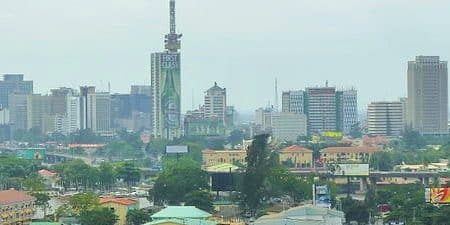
(120, 201)
(186, 221)
(222, 168)
(181, 212)
(12, 196)
(296, 148)
(353, 149)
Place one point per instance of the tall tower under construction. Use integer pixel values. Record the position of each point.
(166, 84)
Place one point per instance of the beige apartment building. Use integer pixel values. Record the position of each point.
(296, 157)
(16, 207)
(217, 157)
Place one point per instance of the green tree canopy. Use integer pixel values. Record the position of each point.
(98, 216)
(137, 217)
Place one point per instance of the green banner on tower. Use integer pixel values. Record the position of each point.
(170, 90)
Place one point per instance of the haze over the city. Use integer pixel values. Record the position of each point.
(243, 45)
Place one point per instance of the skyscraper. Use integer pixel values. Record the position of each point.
(293, 101)
(428, 95)
(385, 118)
(216, 103)
(166, 84)
(13, 84)
(347, 109)
(321, 109)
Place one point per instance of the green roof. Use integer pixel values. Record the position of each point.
(181, 212)
(45, 223)
(186, 221)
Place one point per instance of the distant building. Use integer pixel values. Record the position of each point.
(103, 113)
(141, 90)
(195, 124)
(293, 101)
(16, 207)
(287, 126)
(347, 110)
(304, 215)
(321, 109)
(215, 103)
(87, 101)
(428, 95)
(385, 118)
(263, 118)
(18, 111)
(347, 154)
(121, 206)
(296, 157)
(217, 157)
(13, 84)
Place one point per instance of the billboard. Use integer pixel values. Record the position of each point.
(176, 149)
(323, 196)
(350, 169)
(170, 90)
(31, 153)
(437, 195)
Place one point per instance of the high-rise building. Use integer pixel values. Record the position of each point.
(18, 104)
(321, 109)
(166, 84)
(141, 90)
(215, 103)
(385, 118)
(293, 101)
(288, 126)
(102, 113)
(86, 107)
(65, 110)
(347, 110)
(428, 95)
(13, 84)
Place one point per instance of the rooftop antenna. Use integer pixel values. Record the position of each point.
(326, 83)
(109, 86)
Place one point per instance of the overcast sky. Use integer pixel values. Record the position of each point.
(241, 44)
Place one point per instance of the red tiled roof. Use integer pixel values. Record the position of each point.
(45, 172)
(12, 196)
(121, 201)
(359, 149)
(296, 148)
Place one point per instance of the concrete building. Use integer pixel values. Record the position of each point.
(296, 157)
(347, 110)
(86, 106)
(428, 95)
(385, 118)
(347, 154)
(321, 109)
(16, 207)
(13, 84)
(103, 113)
(166, 85)
(121, 206)
(141, 90)
(263, 118)
(293, 101)
(217, 157)
(215, 103)
(18, 111)
(304, 215)
(288, 126)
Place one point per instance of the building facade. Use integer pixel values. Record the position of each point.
(296, 157)
(288, 126)
(16, 207)
(428, 95)
(215, 103)
(347, 154)
(120, 206)
(347, 110)
(13, 84)
(293, 101)
(385, 118)
(321, 109)
(166, 85)
(217, 157)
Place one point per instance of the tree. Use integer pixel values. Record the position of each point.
(137, 217)
(382, 161)
(258, 167)
(82, 202)
(355, 210)
(413, 139)
(200, 199)
(129, 173)
(236, 137)
(98, 216)
(107, 176)
(178, 178)
(356, 131)
(281, 182)
(42, 200)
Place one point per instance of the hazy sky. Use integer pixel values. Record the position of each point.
(241, 44)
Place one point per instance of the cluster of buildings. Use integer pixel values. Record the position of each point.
(311, 111)
(67, 110)
(426, 107)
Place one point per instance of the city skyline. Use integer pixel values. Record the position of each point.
(114, 45)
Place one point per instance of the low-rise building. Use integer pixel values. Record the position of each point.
(304, 215)
(296, 157)
(16, 207)
(181, 215)
(121, 206)
(359, 154)
(288, 126)
(216, 157)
